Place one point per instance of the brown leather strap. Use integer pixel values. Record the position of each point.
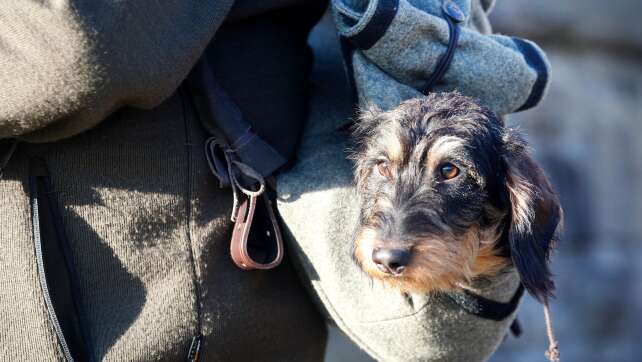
(242, 227)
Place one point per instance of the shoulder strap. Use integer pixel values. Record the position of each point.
(240, 159)
(221, 116)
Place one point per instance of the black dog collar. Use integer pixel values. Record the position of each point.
(486, 308)
(489, 309)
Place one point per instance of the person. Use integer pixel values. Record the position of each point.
(114, 234)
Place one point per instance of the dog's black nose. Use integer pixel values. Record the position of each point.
(391, 261)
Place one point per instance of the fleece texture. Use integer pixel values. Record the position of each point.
(78, 61)
(149, 232)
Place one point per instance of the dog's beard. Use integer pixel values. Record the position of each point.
(438, 263)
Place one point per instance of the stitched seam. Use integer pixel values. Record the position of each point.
(188, 212)
(397, 318)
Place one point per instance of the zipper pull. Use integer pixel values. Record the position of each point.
(194, 353)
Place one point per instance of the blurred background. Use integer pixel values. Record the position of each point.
(588, 136)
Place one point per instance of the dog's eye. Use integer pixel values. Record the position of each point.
(384, 169)
(449, 171)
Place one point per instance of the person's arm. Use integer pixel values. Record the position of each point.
(396, 45)
(66, 65)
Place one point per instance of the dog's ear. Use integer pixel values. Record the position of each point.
(534, 217)
(368, 118)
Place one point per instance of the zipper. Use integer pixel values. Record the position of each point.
(194, 353)
(56, 272)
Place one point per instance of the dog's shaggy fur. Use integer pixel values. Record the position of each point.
(453, 194)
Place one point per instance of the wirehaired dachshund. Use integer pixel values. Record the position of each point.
(449, 194)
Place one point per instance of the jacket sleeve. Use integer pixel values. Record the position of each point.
(394, 46)
(65, 65)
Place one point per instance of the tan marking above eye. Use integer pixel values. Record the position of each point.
(384, 169)
(393, 145)
(448, 171)
(394, 151)
(444, 148)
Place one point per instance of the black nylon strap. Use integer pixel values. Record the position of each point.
(221, 116)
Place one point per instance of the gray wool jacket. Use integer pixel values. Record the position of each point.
(111, 170)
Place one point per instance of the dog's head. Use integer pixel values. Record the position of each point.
(449, 194)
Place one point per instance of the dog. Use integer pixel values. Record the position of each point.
(449, 194)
